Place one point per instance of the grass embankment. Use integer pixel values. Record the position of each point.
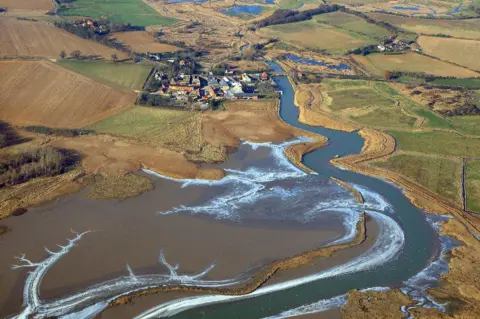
(472, 184)
(118, 75)
(439, 175)
(134, 12)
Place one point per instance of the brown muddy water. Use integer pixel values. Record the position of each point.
(130, 232)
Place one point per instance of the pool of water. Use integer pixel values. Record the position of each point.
(236, 10)
(406, 8)
(296, 58)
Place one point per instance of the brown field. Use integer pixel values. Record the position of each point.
(142, 42)
(469, 29)
(412, 62)
(41, 93)
(459, 51)
(39, 39)
(27, 4)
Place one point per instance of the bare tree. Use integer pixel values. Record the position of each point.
(63, 54)
(114, 58)
(75, 54)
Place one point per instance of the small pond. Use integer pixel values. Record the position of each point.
(237, 10)
(296, 58)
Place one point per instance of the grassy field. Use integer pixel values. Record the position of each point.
(359, 98)
(442, 143)
(39, 39)
(466, 124)
(294, 4)
(43, 93)
(155, 126)
(470, 83)
(353, 23)
(134, 12)
(368, 103)
(459, 51)
(316, 36)
(472, 183)
(378, 63)
(469, 29)
(118, 75)
(437, 174)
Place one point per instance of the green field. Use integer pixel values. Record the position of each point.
(118, 75)
(294, 4)
(468, 28)
(353, 23)
(386, 118)
(469, 125)
(469, 83)
(443, 143)
(134, 12)
(359, 98)
(439, 175)
(472, 183)
(155, 126)
(317, 36)
(432, 120)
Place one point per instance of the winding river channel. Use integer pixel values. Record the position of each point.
(262, 190)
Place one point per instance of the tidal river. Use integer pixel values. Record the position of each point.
(221, 233)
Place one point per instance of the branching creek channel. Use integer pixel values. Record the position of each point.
(205, 238)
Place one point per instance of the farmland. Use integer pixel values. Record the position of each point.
(378, 63)
(472, 183)
(441, 143)
(353, 23)
(469, 125)
(440, 175)
(316, 36)
(43, 5)
(37, 39)
(469, 29)
(134, 12)
(41, 93)
(118, 75)
(459, 51)
(142, 42)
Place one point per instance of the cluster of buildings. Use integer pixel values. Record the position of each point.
(195, 87)
(93, 25)
(393, 45)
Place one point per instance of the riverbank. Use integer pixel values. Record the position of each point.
(458, 284)
(111, 160)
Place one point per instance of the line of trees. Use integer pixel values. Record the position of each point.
(283, 16)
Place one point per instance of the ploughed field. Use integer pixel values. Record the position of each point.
(460, 51)
(143, 42)
(32, 39)
(42, 93)
(378, 63)
(44, 5)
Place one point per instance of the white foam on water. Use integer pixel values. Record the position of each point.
(387, 246)
(417, 286)
(316, 307)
